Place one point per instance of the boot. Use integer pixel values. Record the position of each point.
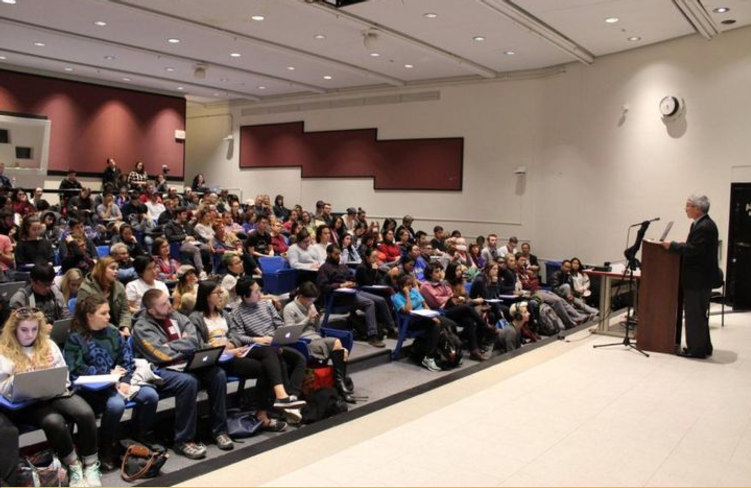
(340, 373)
(107, 459)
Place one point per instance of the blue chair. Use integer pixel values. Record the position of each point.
(72, 304)
(174, 251)
(404, 320)
(103, 251)
(278, 277)
(338, 302)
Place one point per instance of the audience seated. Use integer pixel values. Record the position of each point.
(31, 247)
(487, 286)
(509, 248)
(108, 210)
(70, 284)
(532, 263)
(76, 229)
(95, 347)
(126, 272)
(233, 263)
(350, 256)
(388, 248)
(40, 294)
(137, 179)
(187, 285)
(102, 281)
(323, 239)
(562, 284)
(25, 346)
(166, 267)
(407, 300)
(580, 280)
(302, 255)
(167, 340)
(135, 290)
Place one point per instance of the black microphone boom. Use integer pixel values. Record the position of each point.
(646, 222)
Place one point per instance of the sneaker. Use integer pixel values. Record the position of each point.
(430, 364)
(202, 276)
(75, 475)
(274, 426)
(294, 416)
(91, 475)
(223, 442)
(290, 402)
(376, 342)
(477, 355)
(190, 450)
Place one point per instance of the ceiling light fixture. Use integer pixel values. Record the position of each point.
(235, 55)
(180, 88)
(509, 53)
(478, 38)
(375, 55)
(100, 23)
(173, 40)
(39, 44)
(127, 79)
(525, 20)
(109, 58)
(409, 66)
(721, 10)
(291, 68)
(68, 68)
(612, 20)
(224, 80)
(430, 15)
(261, 87)
(328, 77)
(319, 36)
(634, 38)
(10, 2)
(698, 17)
(170, 69)
(257, 18)
(728, 22)
(216, 94)
(3, 58)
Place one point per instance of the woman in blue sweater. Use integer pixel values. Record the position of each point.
(96, 347)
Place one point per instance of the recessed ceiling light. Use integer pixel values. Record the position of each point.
(68, 68)
(634, 38)
(224, 80)
(319, 36)
(10, 2)
(374, 55)
(100, 23)
(257, 18)
(109, 58)
(328, 77)
(216, 94)
(173, 40)
(127, 79)
(430, 15)
(39, 44)
(261, 87)
(170, 69)
(235, 55)
(721, 10)
(180, 88)
(478, 38)
(509, 53)
(291, 68)
(3, 57)
(612, 20)
(409, 66)
(728, 22)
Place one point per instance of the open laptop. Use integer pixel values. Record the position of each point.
(60, 329)
(35, 385)
(203, 358)
(667, 230)
(287, 334)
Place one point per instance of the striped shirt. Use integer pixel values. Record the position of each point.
(251, 320)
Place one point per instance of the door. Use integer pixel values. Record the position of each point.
(739, 247)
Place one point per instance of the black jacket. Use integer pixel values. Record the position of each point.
(699, 266)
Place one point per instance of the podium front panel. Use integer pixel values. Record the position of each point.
(658, 311)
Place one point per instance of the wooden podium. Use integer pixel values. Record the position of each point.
(659, 311)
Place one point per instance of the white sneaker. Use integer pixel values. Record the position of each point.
(430, 364)
(202, 276)
(294, 417)
(91, 475)
(75, 475)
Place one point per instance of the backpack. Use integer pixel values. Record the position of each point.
(449, 350)
(322, 404)
(549, 323)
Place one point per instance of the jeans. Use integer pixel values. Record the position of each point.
(375, 307)
(184, 387)
(112, 406)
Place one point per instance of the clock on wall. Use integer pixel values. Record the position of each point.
(671, 107)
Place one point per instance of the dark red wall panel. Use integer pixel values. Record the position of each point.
(405, 164)
(91, 123)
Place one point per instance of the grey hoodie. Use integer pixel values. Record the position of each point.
(151, 342)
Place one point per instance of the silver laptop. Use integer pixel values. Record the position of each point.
(203, 358)
(60, 329)
(35, 385)
(287, 334)
(667, 230)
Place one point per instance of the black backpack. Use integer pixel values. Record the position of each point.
(449, 351)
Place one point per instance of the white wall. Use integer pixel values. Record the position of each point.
(592, 171)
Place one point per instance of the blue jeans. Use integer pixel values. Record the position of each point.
(184, 387)
(112, 406)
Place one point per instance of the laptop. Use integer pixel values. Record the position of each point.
(203, 358)
(35, 385)
(287, 334)
(60, 329)
(667, 230)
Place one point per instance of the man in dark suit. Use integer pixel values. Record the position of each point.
(699, 272)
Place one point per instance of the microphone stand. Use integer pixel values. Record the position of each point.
(630, 254)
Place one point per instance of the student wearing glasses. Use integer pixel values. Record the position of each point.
(25, 346)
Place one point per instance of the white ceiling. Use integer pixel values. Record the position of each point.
(540, 33)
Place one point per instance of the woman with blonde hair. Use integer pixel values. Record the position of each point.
(25, 346)
(103, 282)
(71, 283)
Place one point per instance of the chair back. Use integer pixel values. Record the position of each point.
(272, 264)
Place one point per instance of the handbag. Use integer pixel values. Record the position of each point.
(241, 425)
(41, 469)
(140, 461)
